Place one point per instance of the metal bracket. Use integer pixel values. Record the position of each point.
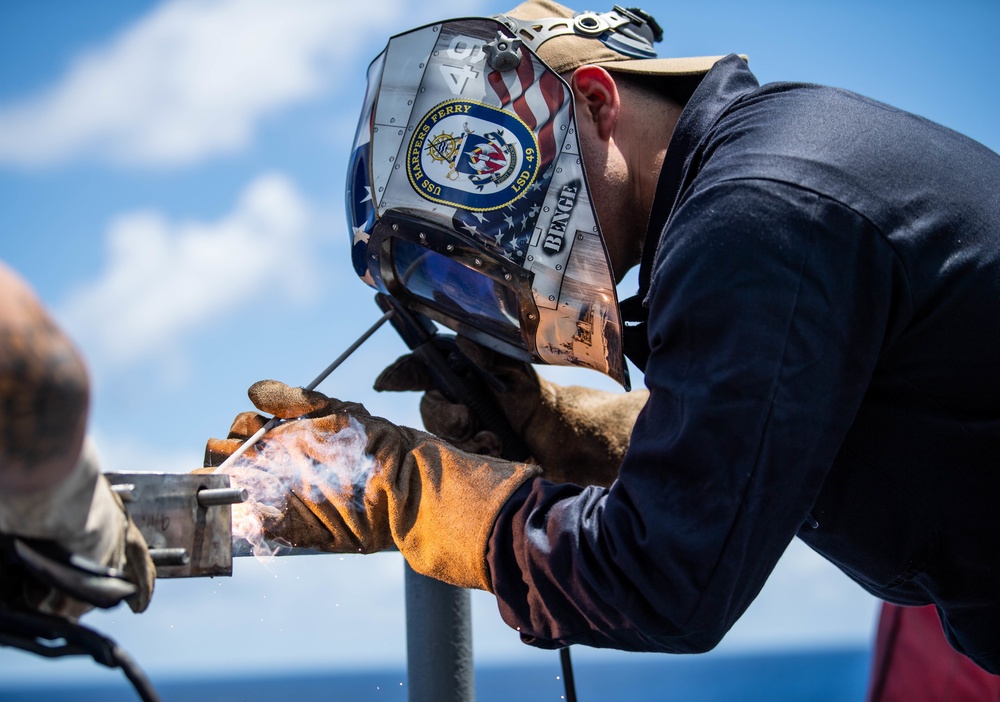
(185, 518)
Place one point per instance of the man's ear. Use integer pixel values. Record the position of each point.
(597, 97)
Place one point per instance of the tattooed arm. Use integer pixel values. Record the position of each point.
(43, 393)
(51, 486)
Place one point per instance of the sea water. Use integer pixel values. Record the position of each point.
(838, 675)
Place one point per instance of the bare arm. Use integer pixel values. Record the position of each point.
(44, 393)
(51, 487)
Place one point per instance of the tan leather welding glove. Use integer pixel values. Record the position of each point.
(341, 480)
(576, 434)
(82, 515)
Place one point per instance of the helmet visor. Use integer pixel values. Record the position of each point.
(447, 277)
(456, 291)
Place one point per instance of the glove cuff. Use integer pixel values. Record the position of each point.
(81, 513)
(444, 533)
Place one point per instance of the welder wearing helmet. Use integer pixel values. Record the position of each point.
(66, 542)
(818, 324)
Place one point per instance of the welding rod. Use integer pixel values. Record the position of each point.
(311, 386)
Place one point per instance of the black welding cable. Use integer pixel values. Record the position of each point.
(135, 674)
(54, 637)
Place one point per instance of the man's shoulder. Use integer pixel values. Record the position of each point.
(868, 155)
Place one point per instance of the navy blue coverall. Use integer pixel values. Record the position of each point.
(822, 282)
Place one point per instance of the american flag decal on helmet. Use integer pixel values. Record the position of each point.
(539, 98)
(539, 108)
(362, 211)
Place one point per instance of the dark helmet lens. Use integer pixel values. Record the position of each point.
(457, 291)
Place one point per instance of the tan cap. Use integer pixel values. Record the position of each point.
(567, 49)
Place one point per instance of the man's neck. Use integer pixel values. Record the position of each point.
(649, 125)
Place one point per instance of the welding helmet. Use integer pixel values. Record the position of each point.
(466, 192)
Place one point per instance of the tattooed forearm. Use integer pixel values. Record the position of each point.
(43, 388)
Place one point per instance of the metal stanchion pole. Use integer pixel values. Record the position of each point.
(438, 641)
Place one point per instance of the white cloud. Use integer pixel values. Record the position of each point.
(165, 280)
(191, 79)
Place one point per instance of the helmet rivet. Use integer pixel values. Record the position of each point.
(506, 276)
(531, 316)
(449, 247)
(423, 237)
(395, 227)
(478, 262)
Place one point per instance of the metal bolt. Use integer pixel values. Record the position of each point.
(208, 497)
(169, 556)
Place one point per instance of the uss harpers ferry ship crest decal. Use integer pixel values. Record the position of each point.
(471, 155)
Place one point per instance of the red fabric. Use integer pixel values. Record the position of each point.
(915, 663)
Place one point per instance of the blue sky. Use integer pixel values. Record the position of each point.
(171, 183)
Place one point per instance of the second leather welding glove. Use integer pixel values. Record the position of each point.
(341, 480)
(576, 434)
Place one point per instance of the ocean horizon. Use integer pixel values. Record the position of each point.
(826, 675)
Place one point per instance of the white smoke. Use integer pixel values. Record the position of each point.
(296, 459)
